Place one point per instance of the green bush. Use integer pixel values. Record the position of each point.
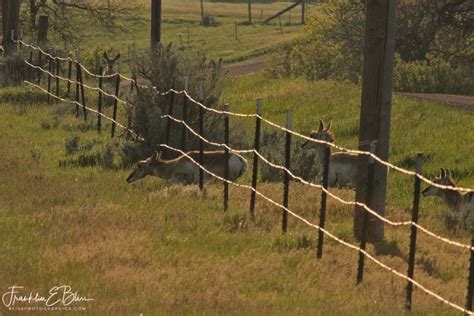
(435, 75)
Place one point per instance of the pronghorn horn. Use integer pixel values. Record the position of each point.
(321, 125)
(157, 155)
(117, 57)
(106, 56)
(443, 173)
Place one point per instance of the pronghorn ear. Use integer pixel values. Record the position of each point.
(117, 57)
(443, 173)
(157, 155)
(321, 125)
(105, 56)
(448, 173)
(329, 126)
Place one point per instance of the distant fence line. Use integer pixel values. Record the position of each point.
(258, 156)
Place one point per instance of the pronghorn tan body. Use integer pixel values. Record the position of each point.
(183, 170)
(460, 203)
(342, 166)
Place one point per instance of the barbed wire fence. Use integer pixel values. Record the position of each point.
(53, 73)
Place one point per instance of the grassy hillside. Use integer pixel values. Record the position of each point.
(157, 249)
(216, 41)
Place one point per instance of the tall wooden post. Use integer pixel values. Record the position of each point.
(155, 22)
(202, 11)
(376, 109)
(43, 29)
(303, 11)
(11, 24)
(250, 11)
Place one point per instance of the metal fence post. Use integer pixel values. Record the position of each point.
(77, 88)
(50, 69)
(69, 76)
(365, 225)
(226, 151)
(255, 159)
(99, 106)
(414, 219)
(286, 176)
(470, 279)
(201, 132)
(81, 82)
(170, 113)
(322, 211)
(58, 68)
(39, 65)
(185, 115)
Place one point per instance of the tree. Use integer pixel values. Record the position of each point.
(10, 21)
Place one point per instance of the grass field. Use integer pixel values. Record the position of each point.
(220, 41)
(155, 249)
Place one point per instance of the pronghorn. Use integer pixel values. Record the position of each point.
(461, 204)
(2, 51)
(342, 166)
(110, 64)
(183, 170)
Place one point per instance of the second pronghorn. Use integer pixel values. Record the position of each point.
(183, 170)
(460, 203)
(342, 166)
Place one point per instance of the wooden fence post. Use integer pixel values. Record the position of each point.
(43, 24)
(155, 22)
(99, 106)
(185, 115)
(365, 224)
(303, 11)
(235, 28)
(50, 69)
(286, 176)
(226, 151)
(414, 219)
(114, 116)
(250, 11)
(255, 159)
(322, 211)
(201, 132)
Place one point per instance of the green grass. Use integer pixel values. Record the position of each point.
(157, 249)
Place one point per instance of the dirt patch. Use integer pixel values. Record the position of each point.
(459, 101)
(247, 68)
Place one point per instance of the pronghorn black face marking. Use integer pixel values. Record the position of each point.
(110, 63)
(323, 133)
(144, 168)
(444, 178)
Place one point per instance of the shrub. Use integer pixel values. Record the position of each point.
(72, 144)
(302, 161)
(165, 68)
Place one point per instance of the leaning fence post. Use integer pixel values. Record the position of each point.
(114, 115)
(50, 69)
(99, 106)
(69, 76)
(286, 176)
(470, 279)
(77, 86)
(201, 132)
(322, 211)
(255, 158)
(414, 219)
(226, 151)
(365, 224)
(81, 81)
(185, 115)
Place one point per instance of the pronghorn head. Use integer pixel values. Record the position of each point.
(444, 178)
(144, 168)
(323, 133)
(111, 63)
